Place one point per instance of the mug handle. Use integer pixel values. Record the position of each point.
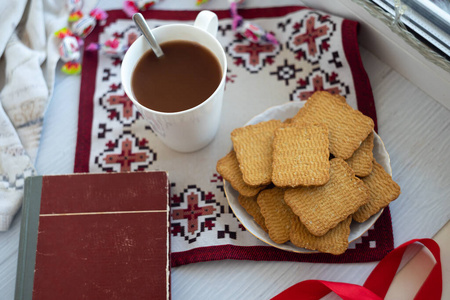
(207, 21)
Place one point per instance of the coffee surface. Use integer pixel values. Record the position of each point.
(184, 77)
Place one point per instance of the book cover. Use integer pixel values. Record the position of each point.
(95, 236)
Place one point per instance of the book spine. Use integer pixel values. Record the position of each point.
(28, 238)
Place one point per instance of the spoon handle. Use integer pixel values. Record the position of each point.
(143, 27)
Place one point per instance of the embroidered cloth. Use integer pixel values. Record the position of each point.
(315, 51)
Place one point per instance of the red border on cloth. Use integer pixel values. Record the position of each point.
(363, 89)
(365, 103)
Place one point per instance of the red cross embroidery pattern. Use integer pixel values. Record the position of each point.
(310, 36)
(317, 86)
(126, 157)
(192, 212)
(127, 105)
(254, 50)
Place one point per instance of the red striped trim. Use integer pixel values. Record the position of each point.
(363, 89)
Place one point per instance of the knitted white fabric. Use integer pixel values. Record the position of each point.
(29, 54)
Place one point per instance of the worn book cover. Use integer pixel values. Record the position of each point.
(95, 236)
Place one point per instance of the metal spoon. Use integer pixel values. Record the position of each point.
(143, 27)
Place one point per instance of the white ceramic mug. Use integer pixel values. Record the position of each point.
(192, 129)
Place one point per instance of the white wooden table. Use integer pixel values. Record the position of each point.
(414, 127)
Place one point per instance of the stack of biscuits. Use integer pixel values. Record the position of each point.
(305, 179)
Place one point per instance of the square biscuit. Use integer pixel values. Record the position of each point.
(382, 189)
(300, 156)
(301, 110)
(335, 241)
(253, 209)
(347, 127)
(253, 147)
(321, 208)
(277, 215)
(361, 160)
(228, 168)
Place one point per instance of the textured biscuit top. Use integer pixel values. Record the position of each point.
(228, 167)
(277, 215)
(347, 126)
(300, 155)
(383, 190)
(335, 241)
(253, 147)
(321, 208)
(361, 160)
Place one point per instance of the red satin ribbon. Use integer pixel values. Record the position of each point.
(378, 282)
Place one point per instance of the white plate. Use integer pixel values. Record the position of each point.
(282, 112)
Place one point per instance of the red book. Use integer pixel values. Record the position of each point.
(95, 236)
